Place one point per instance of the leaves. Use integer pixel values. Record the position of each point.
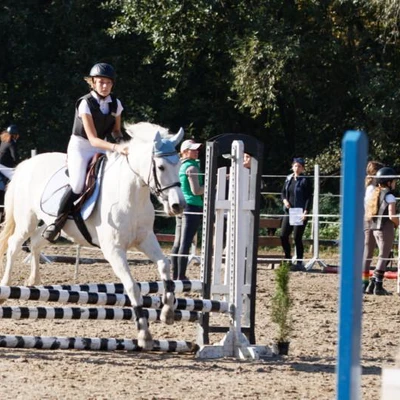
(295, 74)
(281, 302)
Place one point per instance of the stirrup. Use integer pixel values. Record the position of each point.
(51, 233)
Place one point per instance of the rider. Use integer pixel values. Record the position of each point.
(8, 158)
(97, 115)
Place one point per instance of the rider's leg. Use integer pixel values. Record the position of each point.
(67, 201)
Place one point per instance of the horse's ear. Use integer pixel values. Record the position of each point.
(176, 139)
(158, 141)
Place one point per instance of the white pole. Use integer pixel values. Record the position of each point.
(315, 222)
(398, 262)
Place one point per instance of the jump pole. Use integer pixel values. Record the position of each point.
(348, 373)
(96, 344)
(108, 299)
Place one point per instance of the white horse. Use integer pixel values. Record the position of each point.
(122, 218)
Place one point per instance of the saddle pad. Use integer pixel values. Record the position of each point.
(54, 191)
(57, 186)
(6, 171)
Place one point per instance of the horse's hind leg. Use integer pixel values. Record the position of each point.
(117, 258)
(37, 243)
(14, 245)
(152, 249)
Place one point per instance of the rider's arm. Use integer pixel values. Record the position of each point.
(116, 133)
(91, 133)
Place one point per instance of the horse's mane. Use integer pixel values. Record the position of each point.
(145, 131)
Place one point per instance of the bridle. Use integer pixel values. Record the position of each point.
(157, 190)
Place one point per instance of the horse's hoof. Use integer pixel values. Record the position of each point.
(167, 315)
(145, 340)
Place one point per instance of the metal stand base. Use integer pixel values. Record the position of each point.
(237, 346)
(309, 266)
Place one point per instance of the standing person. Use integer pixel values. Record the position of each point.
(188, 224)
(381, 212)
(97, 115)
(369, 240)
(296, 193)
(8, 158)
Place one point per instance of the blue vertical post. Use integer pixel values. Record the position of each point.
(348, 374)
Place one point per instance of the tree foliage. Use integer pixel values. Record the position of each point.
(296, 74)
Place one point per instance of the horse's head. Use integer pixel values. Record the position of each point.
(163, 176)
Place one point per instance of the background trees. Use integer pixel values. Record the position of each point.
(296, 74)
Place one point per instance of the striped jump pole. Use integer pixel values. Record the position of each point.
(109, 299)
(94, 313)
(178, 286)
(99, 344)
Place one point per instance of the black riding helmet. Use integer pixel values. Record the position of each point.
(385, 174)
(103, 70)
(13, 130)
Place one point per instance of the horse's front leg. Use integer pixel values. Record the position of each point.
(152, 249)
(117, 258)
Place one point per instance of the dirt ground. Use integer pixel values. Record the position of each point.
(308, 372)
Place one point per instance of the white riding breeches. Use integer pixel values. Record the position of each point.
(79, 152)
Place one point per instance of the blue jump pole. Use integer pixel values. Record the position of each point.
(348, 373)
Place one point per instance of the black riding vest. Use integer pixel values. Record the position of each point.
(104, 123)
(383, 211)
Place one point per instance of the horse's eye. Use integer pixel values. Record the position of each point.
(161, 167)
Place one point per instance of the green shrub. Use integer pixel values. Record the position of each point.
(281, 303)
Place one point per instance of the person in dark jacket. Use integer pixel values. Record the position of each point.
(97, 116)
(8, 159)
(381, 213)
(296, 194)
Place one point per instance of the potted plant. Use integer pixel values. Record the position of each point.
(281, 307)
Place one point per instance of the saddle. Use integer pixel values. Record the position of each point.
(94, 167)
(59, 183)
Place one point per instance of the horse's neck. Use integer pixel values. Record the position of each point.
(129, 188)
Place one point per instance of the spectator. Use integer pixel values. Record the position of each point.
(97, 115)
(381, 213)
(188, 224)
(369, 240)
(296, 193)
(8, 158)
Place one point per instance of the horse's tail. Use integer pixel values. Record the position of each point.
(8, 227)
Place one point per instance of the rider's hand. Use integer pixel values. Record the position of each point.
(122, 149)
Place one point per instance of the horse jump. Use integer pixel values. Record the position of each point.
(234, 343)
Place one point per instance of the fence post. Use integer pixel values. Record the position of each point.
(348, 374)
(315, 222)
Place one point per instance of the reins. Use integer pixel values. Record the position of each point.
(157, 190)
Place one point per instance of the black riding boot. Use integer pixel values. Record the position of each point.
(66, 203)
(379, 290)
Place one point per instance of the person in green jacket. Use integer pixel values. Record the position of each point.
(188, 224)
